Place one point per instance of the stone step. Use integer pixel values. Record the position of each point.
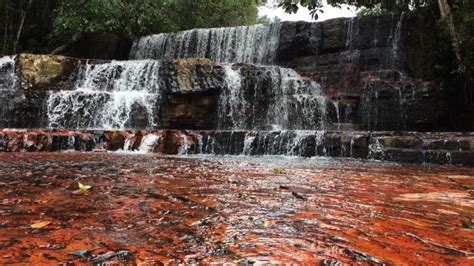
(405, 147)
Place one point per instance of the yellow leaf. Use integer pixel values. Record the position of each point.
(278, 170)
(83, 187)
(267, 223)
(39, 225)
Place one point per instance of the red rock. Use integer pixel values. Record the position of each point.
(115, 140)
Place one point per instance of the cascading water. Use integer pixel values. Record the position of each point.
(246, 44)
(306, 143)
(148, 143)
(116, 95)
(376, 97)
(395, 38)
(376, 149)
(8, 78)
(232, 101)
(270, 97)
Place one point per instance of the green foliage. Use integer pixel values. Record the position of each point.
(132, 18)
(187, 14)
(291, 6)
(464, 18)
(368, 7)
(53, 23)
(376, 11)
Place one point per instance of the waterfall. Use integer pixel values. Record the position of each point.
(376, 149)
(287, 142)
(395, 39)
(8, 78)
(232, 101)
(245, 44)
(270, 97)
(248, 142)
(115, 95)
(149, 143)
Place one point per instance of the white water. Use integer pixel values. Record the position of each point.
(184, 145)
(109, 96)
(8, 78)
(289, 143)
(274, 98)
(376, 149)
(245, 44)
(249, 140)
(149, 143)
(395, 38)
(231, 101)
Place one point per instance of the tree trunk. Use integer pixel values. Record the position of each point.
(20, 28)
(447, 14)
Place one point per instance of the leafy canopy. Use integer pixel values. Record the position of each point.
(291, 6)
(134, 18)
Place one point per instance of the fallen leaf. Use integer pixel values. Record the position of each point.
(83, 187)
(39, 225)
(267, 223)
(278, 170)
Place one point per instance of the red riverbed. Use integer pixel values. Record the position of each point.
(154, 210)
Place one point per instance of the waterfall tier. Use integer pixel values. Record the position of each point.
(116, 95)
(411, 147)
(269, 97)
(184, 93)
(247, 44)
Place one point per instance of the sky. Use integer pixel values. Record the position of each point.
(271, 10)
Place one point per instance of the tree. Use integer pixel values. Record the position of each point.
(47, 25)
(133, 18)
(25, 26)
(23, 14)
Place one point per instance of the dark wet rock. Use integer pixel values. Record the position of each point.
(121, 256)
(331, 262)
(460, 158)
(106, 46)
(73, 186)
(358, 256)
(172, 142)
(369, 65)
(298, 196)
(23, 109)
(190, 112)
(82, 254)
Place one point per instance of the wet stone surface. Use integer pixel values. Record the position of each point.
(152, 209)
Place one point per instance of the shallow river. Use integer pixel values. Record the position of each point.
(159, 209)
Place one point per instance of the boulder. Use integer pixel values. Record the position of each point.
(47, 72)
(190, 112)
(192, 76)
(115, 140)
